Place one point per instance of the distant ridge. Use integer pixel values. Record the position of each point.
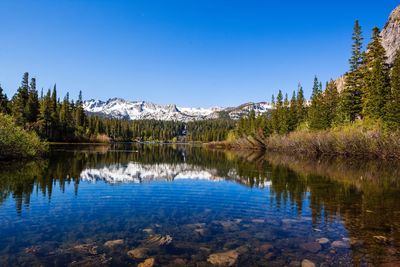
(140, 110)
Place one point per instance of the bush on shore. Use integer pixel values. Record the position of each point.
(359, 139)
(15, 142)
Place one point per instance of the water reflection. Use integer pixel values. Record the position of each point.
(268, 209)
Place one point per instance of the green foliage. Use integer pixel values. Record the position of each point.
(377, 80)
(4, 105)
(392, 108)
(351, 99)
(316, 119)
(15, 142)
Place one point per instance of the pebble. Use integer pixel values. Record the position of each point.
(137, 253)
(112, 243)
(227, 258)
(312, 247)
(340, 244)
(307, 263)
(147, 263)
(323, 240)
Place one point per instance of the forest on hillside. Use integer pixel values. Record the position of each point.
(364, 116)
(64, 120)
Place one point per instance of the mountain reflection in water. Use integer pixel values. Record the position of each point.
(264, 209)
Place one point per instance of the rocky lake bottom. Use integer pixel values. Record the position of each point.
(130, 205)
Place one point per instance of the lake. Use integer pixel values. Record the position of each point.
(121, 205)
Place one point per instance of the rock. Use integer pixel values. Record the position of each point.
(265, 248)
(340, 244)
(229, 225)
(289, 221)
(147, 263)
(86, 248)
(227, 258)
(137, 253)
(381, 238)
(269, 256)
(323, 240)
(312, 247)
(307, 263)
(294, 263)
(257, 221)
(158, 240)
(200, 231)
(113, 243)
(391, 264)
(391, 35)
(242, 249)
(148, 231)
(178, 262)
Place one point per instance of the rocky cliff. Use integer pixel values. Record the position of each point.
(391, 35)
(390, 41)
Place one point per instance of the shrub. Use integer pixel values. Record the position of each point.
(15, 142)
(360, 139)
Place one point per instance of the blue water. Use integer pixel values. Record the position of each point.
(60, 212)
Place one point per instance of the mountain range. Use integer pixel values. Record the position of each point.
(137, 110)
(140, 110)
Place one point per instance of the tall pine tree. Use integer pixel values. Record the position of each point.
(350, 107)
(392, 108)
(19, 101)
(377, 80)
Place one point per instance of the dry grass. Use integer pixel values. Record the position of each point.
(361, 139)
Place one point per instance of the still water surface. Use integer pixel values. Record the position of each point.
(187, 206)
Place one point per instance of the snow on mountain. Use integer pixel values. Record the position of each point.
(135, 172)
(139, 110)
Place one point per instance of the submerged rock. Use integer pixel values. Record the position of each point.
(381, 238)
(257, 221)
(158, 240)
(147, 263)
(265, 248)
(227, 258)
(137, 253)
(85, 248)
(323, 240)
(113, 243)
(307, 263)
(148, 231)
(313, 247)
(340, 244)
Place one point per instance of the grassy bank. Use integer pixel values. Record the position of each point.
(16, 143)
(359, 140)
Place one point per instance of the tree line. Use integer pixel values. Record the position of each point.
(56, 119)
(371, 93)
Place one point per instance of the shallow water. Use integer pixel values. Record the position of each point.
(186, 205)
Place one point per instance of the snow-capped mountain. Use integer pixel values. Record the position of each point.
(139, 110)
(134, 172)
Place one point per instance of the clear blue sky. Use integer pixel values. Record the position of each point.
(188, 52)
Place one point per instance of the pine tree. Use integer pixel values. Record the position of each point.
(3, 102)
(19, 101)
(330, 103)
(392, 108)
(357, 55)
(301, 105)
(274, 116)
(350, 107)
(377, 80)
(32, 106)
(315, 116)
(79, 111)
(293, 121)
(45, 118)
